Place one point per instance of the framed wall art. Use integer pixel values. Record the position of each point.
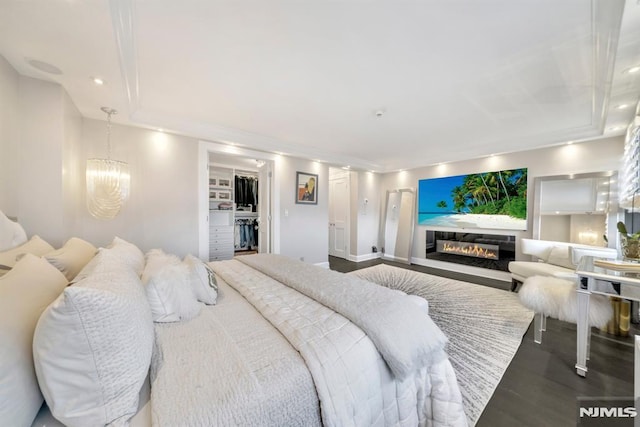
(306, 188)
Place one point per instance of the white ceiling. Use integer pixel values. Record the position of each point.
(454, 79)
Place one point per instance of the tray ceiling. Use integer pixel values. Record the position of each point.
(379, 85)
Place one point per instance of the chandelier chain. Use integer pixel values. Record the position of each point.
(109, 136)
(109, 112)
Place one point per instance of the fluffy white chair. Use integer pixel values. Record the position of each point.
(554, 297)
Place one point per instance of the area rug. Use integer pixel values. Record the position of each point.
(485, 327)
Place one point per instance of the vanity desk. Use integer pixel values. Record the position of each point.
(604, 277)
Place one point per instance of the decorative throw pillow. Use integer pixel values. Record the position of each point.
(169, 292)
(72, 257)
(24, 293)
(92, 349)
(202, 279)
(35, 246)
(103, 261)
(11, 233)
(560, 256)
(129, 252)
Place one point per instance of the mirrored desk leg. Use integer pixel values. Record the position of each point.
(582, 328)
(588, 340)
(636, 379)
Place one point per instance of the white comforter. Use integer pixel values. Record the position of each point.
(362, 379)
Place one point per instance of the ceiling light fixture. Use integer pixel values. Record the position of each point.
(108, 181)
(98, 81)
(633, 70)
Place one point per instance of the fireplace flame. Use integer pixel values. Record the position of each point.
(469, 250)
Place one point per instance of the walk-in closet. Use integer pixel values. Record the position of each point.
(234, 213)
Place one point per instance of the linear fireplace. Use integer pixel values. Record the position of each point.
(491, 251)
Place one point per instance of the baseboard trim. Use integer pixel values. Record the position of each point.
(365, 257)
(503, 276)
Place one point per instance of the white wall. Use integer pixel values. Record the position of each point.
(595, 156)
(304, 229)
(72, 174)
(45, 144)
(9, 134)
(48, 128)
(367, 214)
(163, 206)
(555, 227)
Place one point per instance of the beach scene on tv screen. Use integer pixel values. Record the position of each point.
(495, 200)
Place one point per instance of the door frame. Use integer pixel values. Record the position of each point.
(336, 173)
(206, 147)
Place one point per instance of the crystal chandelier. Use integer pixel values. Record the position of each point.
(108, 181)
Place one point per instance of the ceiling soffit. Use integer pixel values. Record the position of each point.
(582, 104)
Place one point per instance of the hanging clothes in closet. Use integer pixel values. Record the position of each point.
(246, 234)
(246, 191)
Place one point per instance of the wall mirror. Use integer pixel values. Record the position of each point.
(577, 208)
(398, 223)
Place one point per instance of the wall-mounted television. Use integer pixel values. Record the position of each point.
(492, 200)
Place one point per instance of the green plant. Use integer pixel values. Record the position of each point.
(630, 242)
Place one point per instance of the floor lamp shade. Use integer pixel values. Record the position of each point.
(108, 187)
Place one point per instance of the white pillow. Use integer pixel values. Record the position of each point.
(202, 279)
(560, 256)
(72, 257)
(92, 349)
(24, 293)
(11, 233)
(130, 253)
(103, 261)
(169, 292)
(35, 246)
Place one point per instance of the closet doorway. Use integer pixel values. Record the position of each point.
(339, 213)
(236, 202)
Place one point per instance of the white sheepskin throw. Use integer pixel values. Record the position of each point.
(557, 298)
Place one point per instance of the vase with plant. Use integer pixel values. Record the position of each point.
(630, 243)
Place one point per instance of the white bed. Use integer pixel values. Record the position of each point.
(287, 343)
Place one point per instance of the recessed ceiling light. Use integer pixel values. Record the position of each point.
(98, 81)
(622, 106)
(633, 69)
(44, 66)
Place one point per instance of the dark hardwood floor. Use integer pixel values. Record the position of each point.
(540, 386)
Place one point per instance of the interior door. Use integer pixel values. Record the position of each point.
(264, 203)
(338, 216)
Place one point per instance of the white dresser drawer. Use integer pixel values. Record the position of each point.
(218, 252)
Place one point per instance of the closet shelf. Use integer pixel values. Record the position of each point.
(240, 214)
